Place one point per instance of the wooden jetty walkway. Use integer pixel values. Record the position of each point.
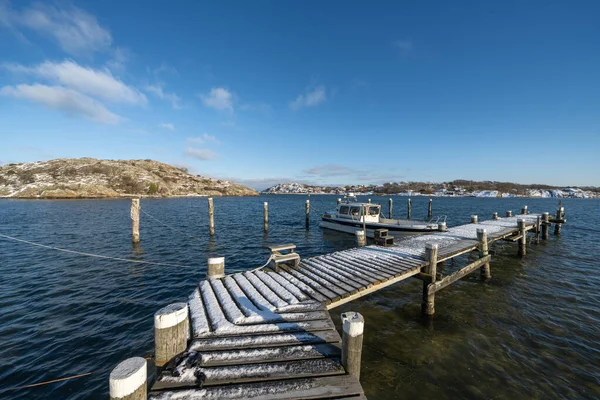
(267, 333)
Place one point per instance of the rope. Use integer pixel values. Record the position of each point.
(169, 226)
(91, 254)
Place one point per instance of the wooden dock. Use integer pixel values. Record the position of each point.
(267, 333)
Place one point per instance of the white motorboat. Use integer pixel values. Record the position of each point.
(352, 216)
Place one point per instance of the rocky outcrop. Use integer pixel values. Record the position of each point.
(93, 178)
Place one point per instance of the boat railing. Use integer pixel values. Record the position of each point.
(437, 220)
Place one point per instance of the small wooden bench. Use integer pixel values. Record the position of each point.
(281, 247)
(277, 257)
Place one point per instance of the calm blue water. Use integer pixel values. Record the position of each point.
(531, 332)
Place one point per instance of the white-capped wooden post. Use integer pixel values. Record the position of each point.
(339, 201)
(135, 220)
(216, 267)
(408, 209)
(171, 332)
(369, 201)
(483, 251)
(442, 226)
(211, 217)
(523, 240)
(390, 208)
(361, 238)
(307, 209)
(430, 209)
(524, 210)
(127, 381)
(545, 225)
(428, 304)
(266, 216)
(353, 325)
(509, 213)
(538, 228)
(559, 216)
(495, 216)
(474, 219)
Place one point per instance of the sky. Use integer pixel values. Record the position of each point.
(334, 92)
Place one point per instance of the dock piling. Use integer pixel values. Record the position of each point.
(135, 220)
(523, 239)
(266, 216)
(428, 303)
(474, 219)
(352, 341)
(216, 267)
(307, 209)
(495, 216)
(545, 225)
(442, 226)
(524, 210)
(339, 201)
(390, 207)
(127, 381)
(483, 252)
(430, 209)
(361, 238)
(211, 217)
(538, 228)
(369, 201)
(408, 209)
(171, 332)
(509, 213)
(559, 216)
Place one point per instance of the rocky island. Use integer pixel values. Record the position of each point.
(93, 178)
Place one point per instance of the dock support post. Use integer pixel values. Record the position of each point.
(369, 201)
(428, 303)
(538, 228)
(135, 220)
(474, 219)
(545, 225)
(483, 251)
(442, 226)
(523, 240)
(171, 332)
(361, 238)
(495, 216)
(430, 209)
(390, 206)
(307, 209)
(559, 215)
(127, 380)
(211, 217)
(353, 325)
(266, 216)
(339, 201)
(408, 209)
(216, 267)
(509, 213)
(524, 210)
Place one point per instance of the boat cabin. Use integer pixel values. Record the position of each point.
(359, 211)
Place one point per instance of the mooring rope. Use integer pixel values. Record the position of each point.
(169, 226)
(91, 254)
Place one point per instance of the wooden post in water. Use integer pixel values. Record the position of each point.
(135, 220)
(171, 332)
(545, 225)
(523, 240)
(559, 216)
(127, 381)
(369, 201)
(353, 325)
(524, 210)
(538, 228)
(430, 209)
(307, 207)
(408, 209)
(495, 216)
(509, 213)
(474, 219)
(428, 303)
(339, 201)
(266, 216)
(483, 251)
(361, 238)
(390, 206)
(216, 267)
(211, 217)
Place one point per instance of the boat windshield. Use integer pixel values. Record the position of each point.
(374, 211)
(355, 211)
(344, 210)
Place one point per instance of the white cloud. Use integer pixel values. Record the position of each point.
(170, 127)
(158, 91)
(404, 45)
(202, 139)
(309, 99)
(329, 170)
(200, 154)
(75, 30)
(219, 99)
(63, 99)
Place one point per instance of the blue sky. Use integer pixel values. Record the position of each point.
(318, 92)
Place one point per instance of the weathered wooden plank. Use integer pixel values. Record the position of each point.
(448, 280)
(338, 387)
(315, 281)
(253, 294)
(379, 267)
(268, 354)
(276, 287)
(299, 294)
(301, 285)
(341, 271)
(269, 340)
(381, 275)
(327, 279)
(266, 291)
(366, 276)
(333, 274)
(212, 376)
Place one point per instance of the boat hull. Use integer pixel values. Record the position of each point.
(349, 226)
